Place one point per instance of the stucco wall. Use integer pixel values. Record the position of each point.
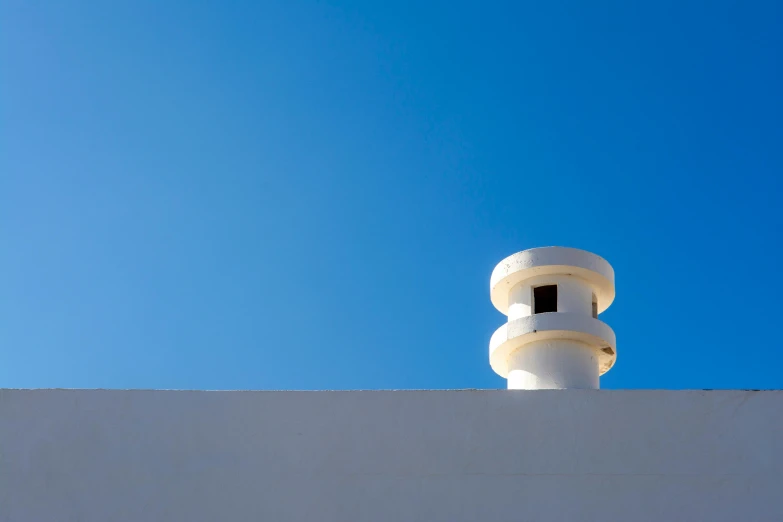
(97, 456)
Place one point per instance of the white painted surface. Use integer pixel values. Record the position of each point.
(574, 296)
(553, 365)
(452, 456)
(551, 260)
(556, 350)
(581, 329)
(520, 301)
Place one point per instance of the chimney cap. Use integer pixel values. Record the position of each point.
(552, 261)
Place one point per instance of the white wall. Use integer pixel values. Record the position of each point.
(574, 295)
(97, 456)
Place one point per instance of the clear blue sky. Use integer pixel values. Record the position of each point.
(309, 195)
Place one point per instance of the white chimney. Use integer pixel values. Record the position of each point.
(553, 339)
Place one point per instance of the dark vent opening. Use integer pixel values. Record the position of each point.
(545, 299)
(595, 307)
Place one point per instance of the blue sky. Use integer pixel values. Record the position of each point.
(311, 195)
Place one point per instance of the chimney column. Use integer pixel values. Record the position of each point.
(553, 338)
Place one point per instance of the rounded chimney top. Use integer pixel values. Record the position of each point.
(553, 338)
